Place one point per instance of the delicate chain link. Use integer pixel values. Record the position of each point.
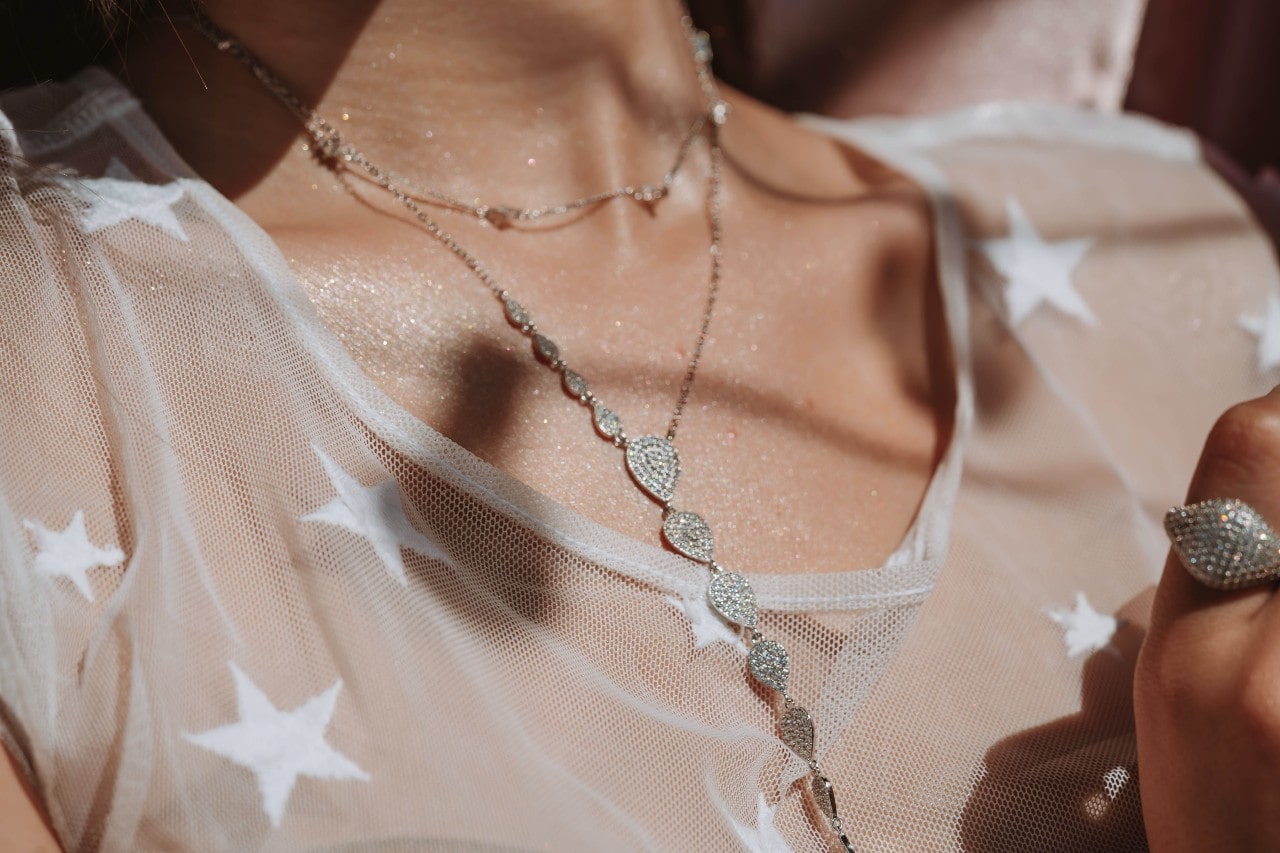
(504, 215)
(713, 289)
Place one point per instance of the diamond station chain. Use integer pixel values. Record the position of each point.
(328, 145)
(651, 460)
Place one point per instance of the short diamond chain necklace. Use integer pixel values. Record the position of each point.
(328, 145)
(651, 460)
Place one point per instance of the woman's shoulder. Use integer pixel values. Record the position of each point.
(78, 158)
(1106, 267)
(96, 209)
(108, 248)
(1071, 219)
(87, 214)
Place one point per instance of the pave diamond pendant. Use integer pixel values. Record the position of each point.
(689, 534)
(796, 727)
(731, 594)
(606, 421)
(824, 796)
(655, 465)
(769, 664)
(545, 349)
(516, 315)
(576, 385)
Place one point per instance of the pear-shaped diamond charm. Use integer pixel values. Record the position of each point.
(731, 594)
(689, 534)
(769, 664)
(655, 465)
(796, 727)
(824, 795)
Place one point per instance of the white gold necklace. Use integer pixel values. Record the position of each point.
(652, 460)
(328, 146)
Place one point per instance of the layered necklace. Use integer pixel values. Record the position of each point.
(651, 460)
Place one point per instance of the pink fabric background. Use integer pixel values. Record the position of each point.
(1211, 65)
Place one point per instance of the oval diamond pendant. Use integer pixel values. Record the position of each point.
(655, 465)
(516, 315)
(606, 421)
(576, 385)
(545, 349)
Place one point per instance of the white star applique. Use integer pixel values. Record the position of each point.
(1084, 629)
(69, 553)
(119, 196)
(706, 625)
(764, 836)
(1267, 329)
(376, 513)
(1036, 270)
(279, 746)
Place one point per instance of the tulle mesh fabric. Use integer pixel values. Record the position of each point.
(534, 682)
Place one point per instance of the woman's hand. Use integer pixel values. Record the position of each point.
(1207, 686)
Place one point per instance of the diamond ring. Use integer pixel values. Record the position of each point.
(1224, 543)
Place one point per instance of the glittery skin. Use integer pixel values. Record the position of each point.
(817, 297)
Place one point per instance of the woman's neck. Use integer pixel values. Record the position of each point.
(516, 99)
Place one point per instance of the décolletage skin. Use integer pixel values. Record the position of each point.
(827, 274)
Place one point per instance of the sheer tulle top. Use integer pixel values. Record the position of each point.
(250, 603)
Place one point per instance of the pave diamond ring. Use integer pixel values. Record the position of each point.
(1224, 543)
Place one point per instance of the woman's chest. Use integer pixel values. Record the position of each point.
(812, 421)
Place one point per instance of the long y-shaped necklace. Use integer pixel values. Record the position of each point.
(651, 460)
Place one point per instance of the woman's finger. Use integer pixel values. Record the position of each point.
(1205, 689)
(1241, 459)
